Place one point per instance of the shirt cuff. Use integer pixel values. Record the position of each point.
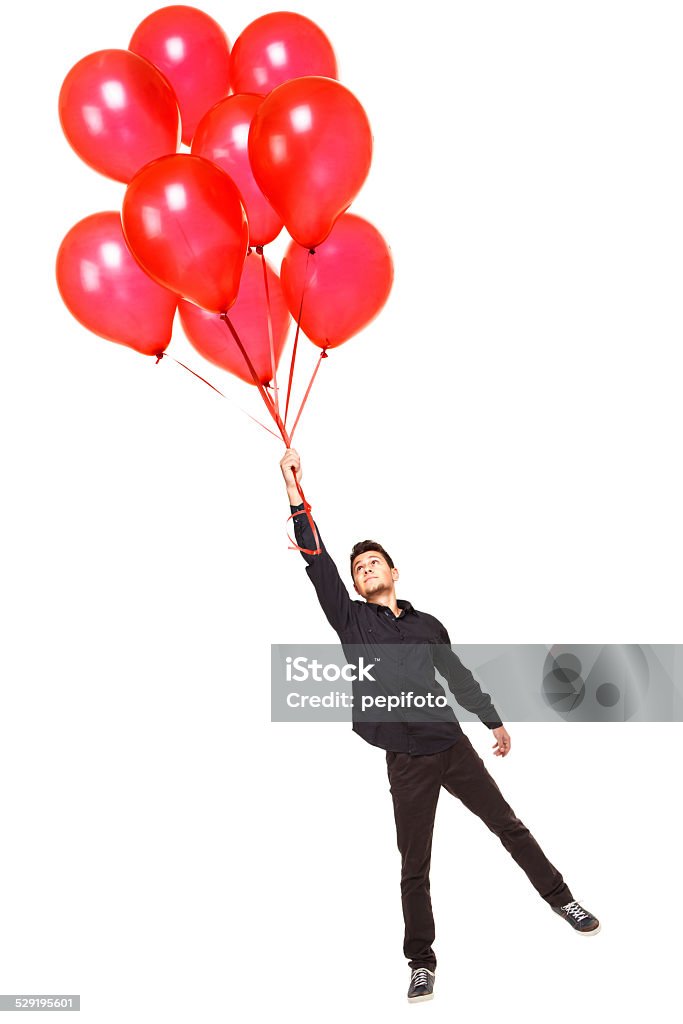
(296, 508)
(493, 724)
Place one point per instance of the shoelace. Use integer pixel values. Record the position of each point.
(576, 910)
(420, 976)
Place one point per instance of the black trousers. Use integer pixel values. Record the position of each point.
(415, 783)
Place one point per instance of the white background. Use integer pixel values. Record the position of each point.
(509, 428)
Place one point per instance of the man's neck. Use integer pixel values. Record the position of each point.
(387, 600)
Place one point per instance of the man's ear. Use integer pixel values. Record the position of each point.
(356, 588)
(395, 573)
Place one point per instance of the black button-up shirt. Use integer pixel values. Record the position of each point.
(370, 627)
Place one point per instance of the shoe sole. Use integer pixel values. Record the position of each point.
(420, 999)
(592, 931)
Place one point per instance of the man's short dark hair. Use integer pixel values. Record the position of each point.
(369, 545)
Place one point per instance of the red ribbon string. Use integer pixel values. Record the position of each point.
(293, 546)
(270, 406)
(281, 427)
(259, 250)
(311, 252)
(323, 355)
(161, 355)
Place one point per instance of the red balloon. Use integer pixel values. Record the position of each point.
(105, 289)
(249, 316)
(222, 136)
(184, 221)
(310, 147)
(193, 52)
(349, 279)
(118, 112)
(276, 48)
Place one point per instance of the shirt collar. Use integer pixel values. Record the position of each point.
(405, 605)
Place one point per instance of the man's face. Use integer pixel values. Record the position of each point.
(372, 575)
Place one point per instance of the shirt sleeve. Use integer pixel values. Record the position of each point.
(462, 683)
(323, 573)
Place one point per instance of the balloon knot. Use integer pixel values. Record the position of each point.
(160, 356)
(324, 354)
(311, 252)
(223, 316)
(259, 250)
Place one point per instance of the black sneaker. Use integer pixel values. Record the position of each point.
(579, 918)
(421, 985)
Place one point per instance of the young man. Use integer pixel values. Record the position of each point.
(423, 755)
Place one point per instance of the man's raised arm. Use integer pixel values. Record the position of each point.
(323, 573)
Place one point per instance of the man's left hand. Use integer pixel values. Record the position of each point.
(502, 745)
